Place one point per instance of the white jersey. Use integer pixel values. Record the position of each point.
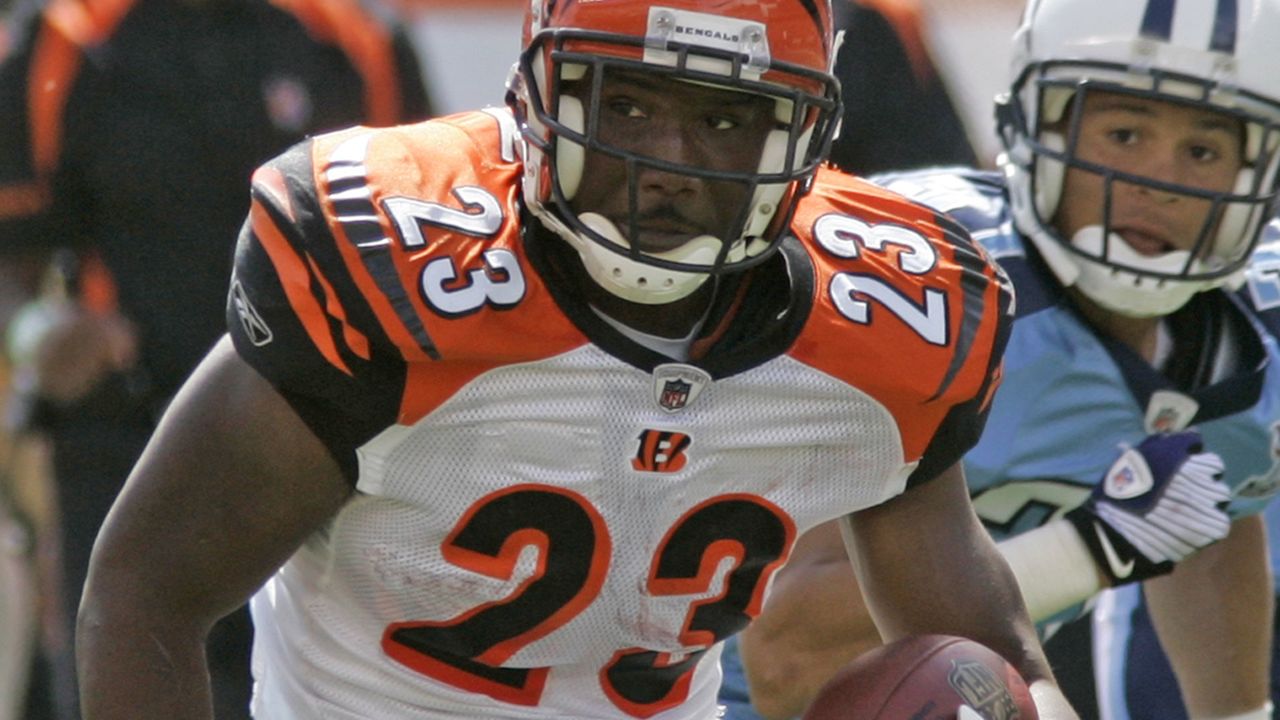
(551, 521)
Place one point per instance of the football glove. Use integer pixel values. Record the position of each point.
(1158, 503)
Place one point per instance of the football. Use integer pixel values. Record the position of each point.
(925, 677)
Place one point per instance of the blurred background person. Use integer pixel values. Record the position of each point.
(28, 527)
(969, 42)
(130, 129)
(898, 111)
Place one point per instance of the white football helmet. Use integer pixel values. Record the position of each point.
(781, 49)
(1221, 55)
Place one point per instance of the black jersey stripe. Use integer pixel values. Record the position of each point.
(346, 174)
(974, 283)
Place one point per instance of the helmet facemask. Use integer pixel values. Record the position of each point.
(1040, 124)
(560, 81)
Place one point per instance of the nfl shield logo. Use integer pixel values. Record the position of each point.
(982, 690)
(674, 395)
(676, 385)
(1169, 411)
(1123, 480)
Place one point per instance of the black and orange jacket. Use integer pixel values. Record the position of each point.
(131, 128)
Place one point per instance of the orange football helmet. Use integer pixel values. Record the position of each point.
(781, 49)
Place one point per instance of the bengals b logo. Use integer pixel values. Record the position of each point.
(660, 451)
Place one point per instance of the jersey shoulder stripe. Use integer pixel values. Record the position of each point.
(976, 199)
(1262, 279)
(404, 249)
(314, 306)
(929, 308)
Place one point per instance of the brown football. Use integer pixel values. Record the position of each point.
(925, 677)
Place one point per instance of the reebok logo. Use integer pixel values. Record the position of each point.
(255, 328)
(1120, 570)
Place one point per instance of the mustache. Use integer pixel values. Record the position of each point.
(662, 216)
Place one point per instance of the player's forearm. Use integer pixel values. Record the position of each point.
(1015, 638)
(133, 667)
(788, 655)
(140, 648)
(1213, 615)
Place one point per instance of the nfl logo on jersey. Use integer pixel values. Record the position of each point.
(674, 395)
(676, 385)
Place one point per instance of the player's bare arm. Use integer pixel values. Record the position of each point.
(1218, 604)
(1057, 565)
(231, 484)
(788, 658)
(961, 586)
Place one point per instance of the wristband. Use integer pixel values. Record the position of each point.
(1054, 568)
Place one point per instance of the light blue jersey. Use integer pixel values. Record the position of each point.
(1070, 399)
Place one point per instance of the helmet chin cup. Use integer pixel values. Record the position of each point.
(1101, 277)
(641, 282)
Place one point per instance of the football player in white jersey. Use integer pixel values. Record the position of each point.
(1139, 178)
(521, 410)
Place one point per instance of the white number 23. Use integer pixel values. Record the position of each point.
(848, 237)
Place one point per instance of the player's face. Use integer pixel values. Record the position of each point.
(699, 126)
(1164, 141)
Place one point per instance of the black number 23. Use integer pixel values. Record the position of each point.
(574, 550)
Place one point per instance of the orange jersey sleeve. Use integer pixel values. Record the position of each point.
(372, 255)
(909, 309)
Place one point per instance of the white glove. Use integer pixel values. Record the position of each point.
(1158, 503)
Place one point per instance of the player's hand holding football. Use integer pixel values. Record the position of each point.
(1158, 503)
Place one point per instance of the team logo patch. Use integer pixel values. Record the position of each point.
(1128, 477)
(676, 385)
(660, 451)
(255, 328)
(982, 690)
(674, 394)
(1169, 411)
